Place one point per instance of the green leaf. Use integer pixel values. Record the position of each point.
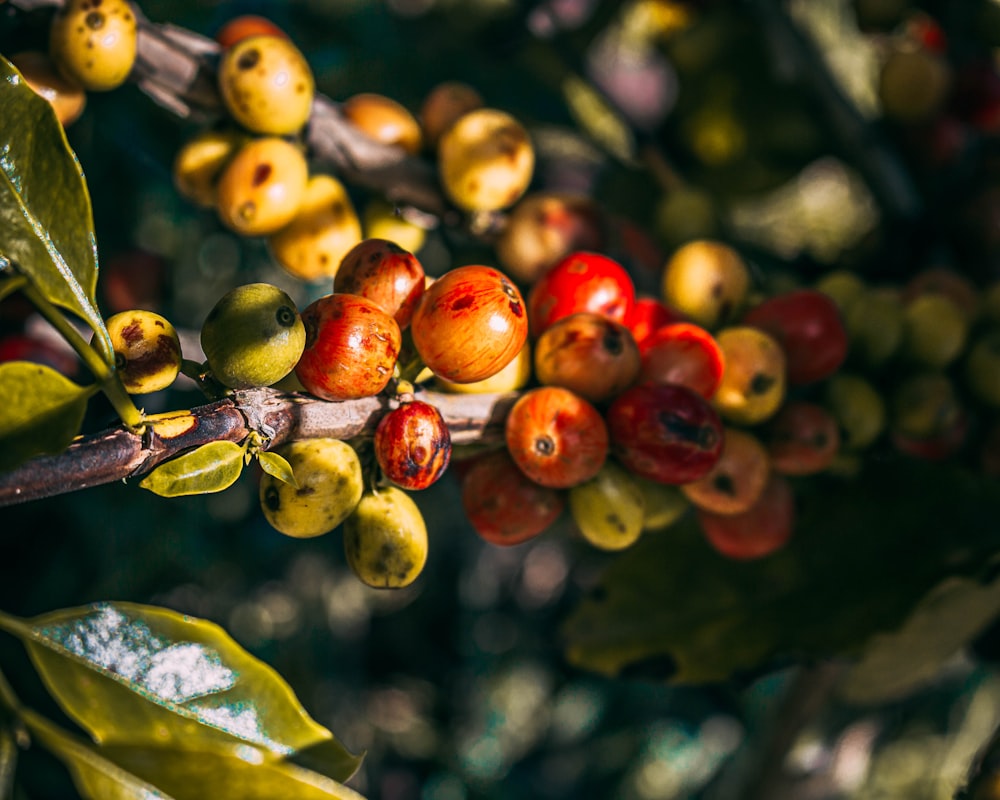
(42, 411)
(277, 467)
(210, 468)
(95, 777)
(142, 676)
(865, 553)
(46, 220)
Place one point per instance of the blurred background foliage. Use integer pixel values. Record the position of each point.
(684, 119)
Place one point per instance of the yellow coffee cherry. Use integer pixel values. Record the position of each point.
(261, 188)
(385, 539)
(94, 44)
(267, 85)
(707, 281)
(514, 376)
(380, 220)
(608, 509)
(324, 229)
(753, 382)
(329, 484)
(66, 97)
(385, 120)
(199, 163)
(485, 160)
(147, 350)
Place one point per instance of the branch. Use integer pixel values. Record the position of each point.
(117, 454)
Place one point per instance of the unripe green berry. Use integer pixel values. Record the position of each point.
(385, 539)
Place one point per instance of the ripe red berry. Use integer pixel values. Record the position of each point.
(351, 348)
(802, 438)
(686, 354)
(413, 445)
(648, 315)
(385, 273)
(244, 26)
(557, 438)
(581, 281)
(759, 531)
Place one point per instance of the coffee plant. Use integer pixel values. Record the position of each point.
(684, 313)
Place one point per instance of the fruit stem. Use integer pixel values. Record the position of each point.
(10, 285)
(411, 370)
(109, 381)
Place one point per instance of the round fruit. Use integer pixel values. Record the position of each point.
(267, 85)
(913, 84)
(858, 408)
(516, 375)
(582, 281)
(66, 97)
(469, 324)
(383, 220)
(706, 281)
(649, 315)
(94, 44)
(875, 325)
(556, 437)
(253, 336)
(686, 354)
(666, 433)
(662, 503)
(325, 227)
(351, 348)
(587, 354)
(485, 160)
(757, 532)
(200, 161)
(928, 419)
(841, 286)
(413, 445)
(736, 480)
(802, 439)
(443, 105)
(385, 539)
(935, 330)
(503, 505)
(328, 485)
(147, 350)
(608, 509)
(383, 119)
(753, 384)
(262, 186)
(243, 27)
(386, 274)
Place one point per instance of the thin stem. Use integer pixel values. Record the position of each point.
(12, 284)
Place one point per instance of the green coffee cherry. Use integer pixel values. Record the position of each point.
(329, 485)
(147, 350)
(94, 44)
(609, 508)
(253, 336)
(935, 330)
(858, 408)
(385, 539)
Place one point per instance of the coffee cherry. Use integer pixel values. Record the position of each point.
(385, 539)
(329, 483)
(92, 44)
(935, 330)
(485, 160)
(666, 433)
(147, 350)
(841, 286)
(608, 509)
(802, 439)
(913, 84)
(200, 161)
(647, 316)
(267, 85)
(503, 505)
(556, 437)
(762, 529)
(325, 227)
(706, 281)
(351, 348)
(588, 354)
(444, 104)
(736, 480)
(253, 336)
(66, 97)
(383, 220)
(384, 120)
(875, 325)
(858, 408)
(662, 503)
(243, 27)
(413, 445)
(753, 384)
(582, 281)
(927, 417)
(685, 354)
(383, 272)
(469, 324)
(945, 281)
(261, 188)
(516, 375)
(982, 368)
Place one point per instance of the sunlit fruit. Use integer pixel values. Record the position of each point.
(445, 103)
(147, 350)
(381, 219)
(516, 375)
(384, 120)
(608, 508)
(556, 437)
(67, 97)
(736, 480)
(351, 347)
(686, 354)
(647, 316)
(706, 281)
(802, 438)
(761, 530)
(582, 281)
(385, 273)
(385, 539)
(243, 27)
(413, 445)
(199, 163)
(94, 44)
(328, 485)
(753, 383)
(469, 324)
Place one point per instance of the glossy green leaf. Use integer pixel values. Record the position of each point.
(46, 220)
(277, 467)
(42, 411)
(95, 777)
(864, 555)
(142, 676)
(210, 468)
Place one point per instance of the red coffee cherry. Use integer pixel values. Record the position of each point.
(556, 437)
(582, 281)
(413, 445)
(667, 433)
(649, 315)
(385, 273)
(351, 348)
(243, 27)
(759, 531)
(469, 324)
(802, 438)
(736, 480)
(504, 506)
(686, 354)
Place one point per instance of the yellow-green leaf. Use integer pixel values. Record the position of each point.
(210, 468)
(95, 777)
(142, 676)
(42, 411)
(46, 220)
(277, 467)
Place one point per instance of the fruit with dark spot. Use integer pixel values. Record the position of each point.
(94, 45)
(802, 438)
(753, 382)
(762, 529)
(608, 509)
(683, 353)
(200, 161)
(413, 445)
(385, 539)
(328, 486)
(736, 480)
(147, 350)
(706, 281)
(385, 273)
